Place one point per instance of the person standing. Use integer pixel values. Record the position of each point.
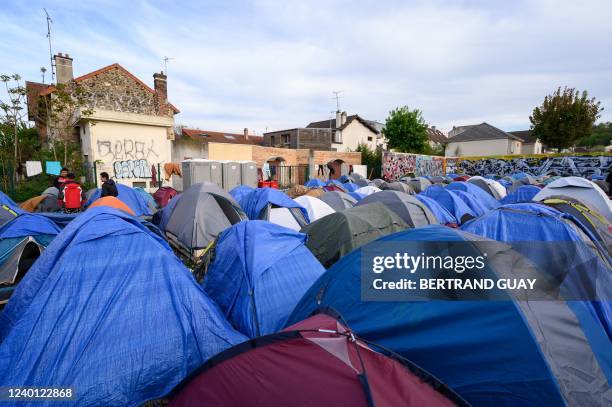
(109, 188)
(71, 196)
(61, 178)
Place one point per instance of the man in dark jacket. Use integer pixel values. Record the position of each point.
(108, 186)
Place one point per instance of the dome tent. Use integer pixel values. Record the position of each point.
(339, 201)
(275, 206)
(483, 198)
(440, 212)
(418, 184)
(314, 183)
(490, 186)
(524, 193)
(411, 210)
(398, 186)
(67, 322)
(316, 362)
(368, 190)
(132, 198)
(450, 202)
(7, 201)
(475, 204)
(259, 272)
(332, 237)
(316, 208)
(490, 352)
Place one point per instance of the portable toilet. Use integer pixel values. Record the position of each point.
(200, 170)
(231, 174)
(248, 173)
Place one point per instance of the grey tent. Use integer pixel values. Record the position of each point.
(379, 183)
(49, 204)
(418, 184)
(90, 193)
(437, 179)
(18, 256)
(412, 211)
(51, 191)
(339, 201)
(398, 186)
(484, 185)
(602, 184)
(359, 180)
(335, 235)
(202, 213)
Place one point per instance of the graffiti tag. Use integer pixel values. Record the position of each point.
(125, 149)
(132, 169)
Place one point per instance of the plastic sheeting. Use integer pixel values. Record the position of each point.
(6, 200)
(475, 204)
(240, 192)
(450, 202)
(314, 183)
(260, 271)
(440, 212)
(484, 198)
(110, 311)
(130, 197)
(28, 224)
(524, 193)
(315, 207)
(257, 201)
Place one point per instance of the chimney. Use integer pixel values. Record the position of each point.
(338, 118)
(63, 67)
(343, 118)
(246, 133)
(160, 84)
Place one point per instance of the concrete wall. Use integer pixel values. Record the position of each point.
(532, 148)
(186, 147)
(483, 147)
(353, 135)
(232, 152)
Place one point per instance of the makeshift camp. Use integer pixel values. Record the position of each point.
(507, 352)
(412, 211)
(110, 312)
(137, 202)
(398, 186)
(314, 183)
(579, 188)
(418, 184)
(475, 204)
(379, 183)
(339, 201)
(202, 213)
(490, 186)
(259, 273)
(483, 198)
(273, 205)
(315, 207)
(316, 362)
(334, 236)
(444, 216)
(163, 195)
(350, 187)
(112, 202)
(451, 202)
(368, 190)
(524, 193)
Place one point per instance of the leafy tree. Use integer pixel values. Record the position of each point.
(406, 131)
(564, 117)
(13, 113)
(601, 135)
(371, 158)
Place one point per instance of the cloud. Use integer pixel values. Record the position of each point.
(273, 65)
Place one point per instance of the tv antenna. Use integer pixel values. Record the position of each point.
(49, 22)
(166, 59)
(337, 97)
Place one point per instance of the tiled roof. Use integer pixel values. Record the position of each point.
(221, 137)
(325, 124)
(483, 131)
(526, 135)
(436, 136)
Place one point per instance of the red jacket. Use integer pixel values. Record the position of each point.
(71, 195)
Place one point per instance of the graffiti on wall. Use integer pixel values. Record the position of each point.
(132, 169)
(581, 166)
(129, 157)
(397, 165)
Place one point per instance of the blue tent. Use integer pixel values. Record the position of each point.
(148, 198)
(531, 229)
(110, 311)
(524, 193)
(491, 353)
(475, 204)
(314, 183)
(450, 202)
(440, 212)
(256, 203)
(259, 273)
(28, 224)
(130, 197)
(6, 200)
(507, 184)
(350, 187)
(240, 192)
(484, 198)
(358, 196)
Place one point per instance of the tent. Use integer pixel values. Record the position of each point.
(412, 211)
(358, 179)
(368, 190)
(28, 224)
(379, 183)
(334, 187)
(444, 216)
(527, 178)
(316, 362)
(418, 184)
(490, 186)
(148, 198)
(131, 197)
(484, 198)
(524, 193)
(240, 192)
(350, 187)
(339, 201)
(6, 214)
(275, 206)
(314, 183)
(112, 202)
(358, 197)
(492, 353)
(476, 205)
(6, 200)
(202, 213)
(334, 236)
(163, 195)
(398, 186)
(161, 217)
(582, 189)
(451, 202)
(109, 311)
(315, 207)
(259, 273)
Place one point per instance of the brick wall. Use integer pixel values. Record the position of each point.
(323, 157)
(302, 156)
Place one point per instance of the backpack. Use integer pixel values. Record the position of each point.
(72, 195)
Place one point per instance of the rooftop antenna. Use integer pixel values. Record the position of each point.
(337, 97)
(49, 22)
(43, 70)
(166, 59)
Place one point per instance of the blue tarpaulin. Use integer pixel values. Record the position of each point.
(128, 196)
(314, 183)
(484, 198)
(260, 271)
(440, 212)
(524, 193)
(6, 200)
(450, 202)
(254, 203)
(111, 312)
(28, 224)
(475, 204)
(240, 192)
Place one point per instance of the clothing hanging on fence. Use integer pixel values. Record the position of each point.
(33, 168)
(53, 167)
(172, 169)
(153, 175)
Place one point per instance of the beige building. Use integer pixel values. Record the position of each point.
(348, 132)
(531, 145)
(130, 130)
(482, 140)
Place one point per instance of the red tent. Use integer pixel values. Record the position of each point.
(163, 195)
(462, 178)
(316, 362)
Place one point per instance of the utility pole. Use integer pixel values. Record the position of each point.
(49, 22)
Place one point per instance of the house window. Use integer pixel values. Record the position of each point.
(337, 137)
(139, 184)
(369, 138)
(286, 140)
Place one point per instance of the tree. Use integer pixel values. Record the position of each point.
(371, 158)
(564, 117)
(406, 131)
(13, 112)
(601, 135)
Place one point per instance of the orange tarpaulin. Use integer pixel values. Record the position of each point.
(113, 203)
(31, 204)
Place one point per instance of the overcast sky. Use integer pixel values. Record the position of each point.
(274, 64)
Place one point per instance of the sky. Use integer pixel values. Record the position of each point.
(272, 65)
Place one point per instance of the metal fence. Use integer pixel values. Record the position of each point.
(289, 175)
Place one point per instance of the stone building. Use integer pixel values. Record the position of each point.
(130, 129)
